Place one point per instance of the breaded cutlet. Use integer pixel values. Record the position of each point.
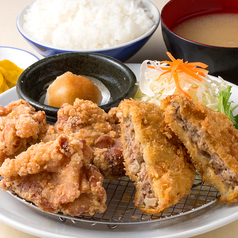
(154, 157)
(211, 140)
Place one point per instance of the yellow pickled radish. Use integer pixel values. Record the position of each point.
(10, 72)
(3, 86)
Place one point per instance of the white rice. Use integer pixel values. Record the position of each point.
(86, 24)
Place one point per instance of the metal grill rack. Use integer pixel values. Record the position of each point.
(121, 209)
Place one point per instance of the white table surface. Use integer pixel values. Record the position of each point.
(154, 50)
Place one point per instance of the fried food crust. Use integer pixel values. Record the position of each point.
(20, 127)
(211, 140)
(56, 175)
(154, 157)
(101, 131)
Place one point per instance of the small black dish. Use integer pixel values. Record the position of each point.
(116, 76)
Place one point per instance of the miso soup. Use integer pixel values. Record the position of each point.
(219, 29)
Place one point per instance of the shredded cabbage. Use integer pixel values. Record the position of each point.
(153, 88)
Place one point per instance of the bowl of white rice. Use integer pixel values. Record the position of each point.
(116, 28)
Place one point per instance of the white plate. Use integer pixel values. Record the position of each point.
(26, 219)
(21, 58)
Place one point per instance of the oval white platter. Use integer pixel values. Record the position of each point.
(24, 218)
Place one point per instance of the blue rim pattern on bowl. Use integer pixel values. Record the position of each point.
(14, 48)
(121, 52)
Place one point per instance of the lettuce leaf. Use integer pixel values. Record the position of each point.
(224, 105)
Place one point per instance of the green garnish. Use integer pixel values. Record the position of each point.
(224, 105)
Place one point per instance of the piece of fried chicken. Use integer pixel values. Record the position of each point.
(56, 176)
(101, 130)
(211, 140)
(154, 157)
(20, 127)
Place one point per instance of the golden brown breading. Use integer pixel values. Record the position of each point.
(85, 120)
(211, 140)
(20, 127)
(93, 196)
(56, 175)
(154, 158)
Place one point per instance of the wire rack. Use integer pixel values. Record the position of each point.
(121, 208)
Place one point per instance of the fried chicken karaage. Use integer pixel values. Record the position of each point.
(154, 157)
(56, 175)
(20, 127)
(101, 131)
(211, 140)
